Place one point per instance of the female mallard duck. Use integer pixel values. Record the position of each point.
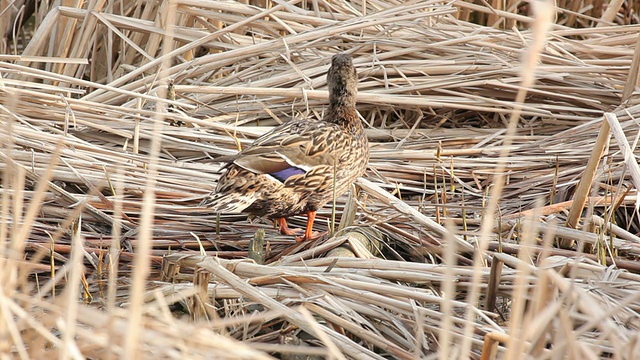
(297, 167)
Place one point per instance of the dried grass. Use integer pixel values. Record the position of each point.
(102, 172)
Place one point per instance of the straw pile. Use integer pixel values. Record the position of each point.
(112, 115)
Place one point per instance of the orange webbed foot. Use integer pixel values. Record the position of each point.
(284, 228)
(315, 235)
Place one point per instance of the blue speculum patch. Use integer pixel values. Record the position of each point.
(284, 174)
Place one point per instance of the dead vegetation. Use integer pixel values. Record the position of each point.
(498, 218)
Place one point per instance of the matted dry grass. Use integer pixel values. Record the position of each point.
(112, 119)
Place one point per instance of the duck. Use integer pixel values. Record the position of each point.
(299, 166)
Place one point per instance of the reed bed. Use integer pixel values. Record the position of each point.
(498, 216)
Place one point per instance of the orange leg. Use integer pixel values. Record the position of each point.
(308, 233)
(284, 227)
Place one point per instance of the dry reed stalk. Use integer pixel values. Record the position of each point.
(586, 181)
(543, 15)
(345, 346)
(625, 149)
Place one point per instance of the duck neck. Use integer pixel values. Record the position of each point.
(345, 116)
(342, 105)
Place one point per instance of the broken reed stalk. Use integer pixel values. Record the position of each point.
(256, 247)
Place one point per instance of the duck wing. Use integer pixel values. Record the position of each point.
(291, 149)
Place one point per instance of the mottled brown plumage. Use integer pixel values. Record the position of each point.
(292, 169)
